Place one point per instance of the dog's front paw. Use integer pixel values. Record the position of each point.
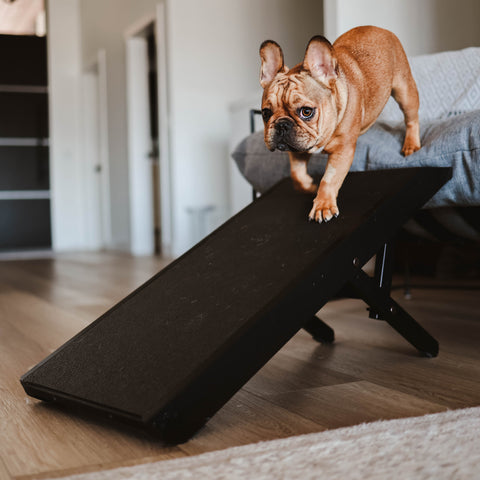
(324, 206)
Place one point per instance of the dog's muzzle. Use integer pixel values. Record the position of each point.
(283, 130)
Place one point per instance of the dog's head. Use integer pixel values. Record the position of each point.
(298, 105)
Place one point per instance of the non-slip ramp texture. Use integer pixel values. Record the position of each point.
(173, 352)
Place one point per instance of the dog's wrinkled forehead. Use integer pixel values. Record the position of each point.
(290, 89)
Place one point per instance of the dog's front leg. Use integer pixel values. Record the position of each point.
(302, 181)
(325, 203)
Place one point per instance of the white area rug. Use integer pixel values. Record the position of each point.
(439, 446)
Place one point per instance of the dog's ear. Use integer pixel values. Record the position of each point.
(272, 62)
(320, 61)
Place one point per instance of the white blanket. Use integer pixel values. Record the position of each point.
(448, 84)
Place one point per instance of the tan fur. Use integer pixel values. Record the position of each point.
(347, 84)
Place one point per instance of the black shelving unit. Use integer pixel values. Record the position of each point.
(25, 222)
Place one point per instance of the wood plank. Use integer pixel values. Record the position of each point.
(285, 373)
(95, 467)
(424, 378)
(247, 418)
(70, 283)
(348, 404)
(4, 474)
(372, 351)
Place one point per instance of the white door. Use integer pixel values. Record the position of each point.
(95, 155)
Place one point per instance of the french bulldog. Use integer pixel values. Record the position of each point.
(328, 100)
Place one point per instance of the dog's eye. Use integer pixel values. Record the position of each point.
(306, 113)
(266, 114)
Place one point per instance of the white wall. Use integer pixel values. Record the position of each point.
(68, 219)
(213, 61)
(423, 26)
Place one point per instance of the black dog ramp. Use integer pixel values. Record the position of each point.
(169, 355)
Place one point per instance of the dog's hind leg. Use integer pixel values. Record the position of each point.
(405, 92)
(302, 181)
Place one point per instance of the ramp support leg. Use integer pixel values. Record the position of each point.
(388, 310)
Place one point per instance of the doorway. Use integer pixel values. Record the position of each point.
(154, 154)
(148, 137)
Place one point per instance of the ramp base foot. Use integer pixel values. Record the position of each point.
(319, 330)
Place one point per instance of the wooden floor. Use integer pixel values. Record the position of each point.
(370, 372)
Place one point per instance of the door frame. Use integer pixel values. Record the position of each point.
(141, 216)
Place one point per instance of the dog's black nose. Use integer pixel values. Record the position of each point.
(283, 126)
